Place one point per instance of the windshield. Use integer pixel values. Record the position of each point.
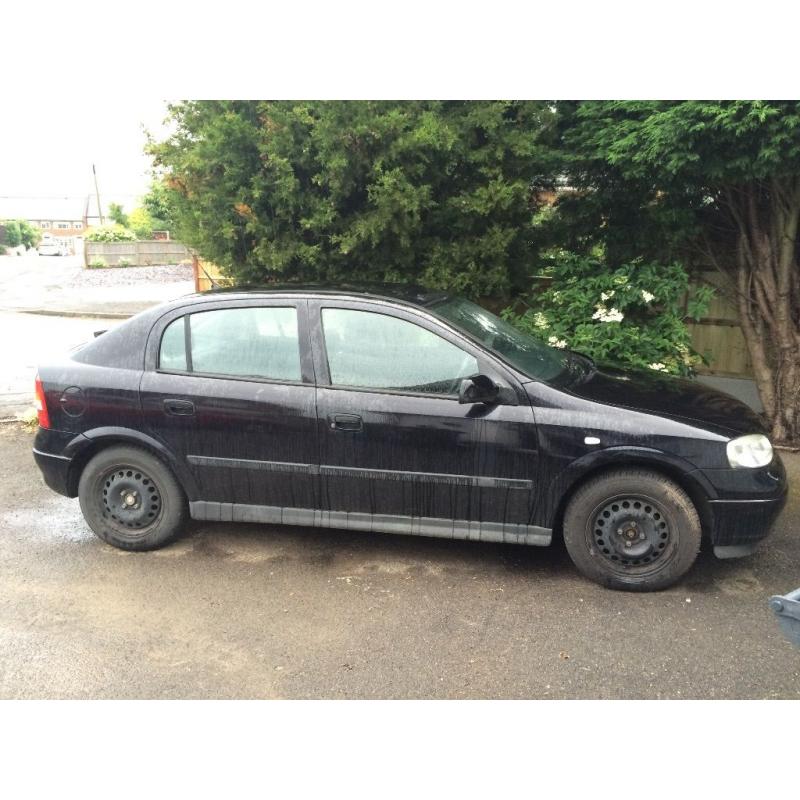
(530, 356)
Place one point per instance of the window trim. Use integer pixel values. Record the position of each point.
(161, 325)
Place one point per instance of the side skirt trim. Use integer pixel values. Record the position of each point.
(508, 533)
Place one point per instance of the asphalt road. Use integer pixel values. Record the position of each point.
(238, 611)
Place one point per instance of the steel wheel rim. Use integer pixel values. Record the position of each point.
(130, 500)
(632, 533)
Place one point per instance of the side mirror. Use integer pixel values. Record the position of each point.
(480, 389)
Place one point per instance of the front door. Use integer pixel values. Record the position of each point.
(397, 447)
(232, 395)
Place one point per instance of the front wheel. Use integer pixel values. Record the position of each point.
(131, 499)
(632, 529)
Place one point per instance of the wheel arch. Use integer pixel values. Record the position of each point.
(82, 449)
(677, 470)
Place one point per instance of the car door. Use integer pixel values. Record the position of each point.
(229, 389)
(394, 440)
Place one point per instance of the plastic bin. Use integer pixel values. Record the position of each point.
(787, 610)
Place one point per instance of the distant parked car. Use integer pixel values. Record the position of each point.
(399, 410)
(52, 249)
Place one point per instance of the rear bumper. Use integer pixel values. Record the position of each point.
(53, 451)
(55, 470)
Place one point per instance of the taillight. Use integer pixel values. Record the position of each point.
(41, 404)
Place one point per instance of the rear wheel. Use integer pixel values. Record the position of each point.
(632, 529)
(130, 499)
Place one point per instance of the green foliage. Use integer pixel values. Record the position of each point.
(141, 223)
(110, 233)
(629, 314)
(20, 231)
(433, 192)
(158, 204)
(13, 236)
(97, 263)
(116, 213)
(124, 262)
(649, 177)
(30, 236)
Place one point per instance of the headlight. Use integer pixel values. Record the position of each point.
(751, 451)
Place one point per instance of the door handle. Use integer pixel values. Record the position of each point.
(179, 408)
(345, 422)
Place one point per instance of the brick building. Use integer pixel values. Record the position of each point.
(64, 219)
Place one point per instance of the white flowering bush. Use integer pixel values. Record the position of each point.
(110, 233)
(632, 314)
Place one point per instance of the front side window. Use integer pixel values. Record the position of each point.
(372, 350)
(241, 342)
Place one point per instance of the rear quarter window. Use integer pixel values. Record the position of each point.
(241, 342)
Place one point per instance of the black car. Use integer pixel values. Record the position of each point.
(399, 410)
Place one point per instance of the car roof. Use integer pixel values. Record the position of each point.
(409, 294)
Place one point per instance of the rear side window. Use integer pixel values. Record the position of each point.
(241, 342)
(371, 350)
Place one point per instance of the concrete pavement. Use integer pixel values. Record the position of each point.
(61, 292)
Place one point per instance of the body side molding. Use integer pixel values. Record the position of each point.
(483, 481)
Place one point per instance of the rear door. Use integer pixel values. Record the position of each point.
(394, 440)
(229, 389)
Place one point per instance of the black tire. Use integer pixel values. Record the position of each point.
(632, 529)
(131, 499)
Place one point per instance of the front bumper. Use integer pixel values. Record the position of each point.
(739, 525)
(747, 504)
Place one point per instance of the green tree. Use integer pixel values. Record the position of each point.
(158, 204)
(434, 192)
(29, 235)
(13, 235)
(117, 214)
(662, 180)
(141, 223)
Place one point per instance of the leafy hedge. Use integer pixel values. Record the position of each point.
(630, 314)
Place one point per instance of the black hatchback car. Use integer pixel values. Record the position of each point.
(399, 410)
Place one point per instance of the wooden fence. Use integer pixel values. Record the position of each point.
(208, 276)
(718, 334)
(137, 254)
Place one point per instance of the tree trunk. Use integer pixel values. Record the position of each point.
(766, 218)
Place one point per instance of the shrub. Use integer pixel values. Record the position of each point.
(97, 263)
(110, 233)
(631, 314)
(124, 262)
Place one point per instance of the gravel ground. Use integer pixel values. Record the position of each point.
(130, 276)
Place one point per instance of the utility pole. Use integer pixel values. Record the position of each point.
(97, 194)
